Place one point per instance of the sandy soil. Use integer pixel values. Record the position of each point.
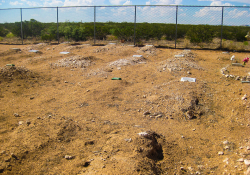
(63, 113)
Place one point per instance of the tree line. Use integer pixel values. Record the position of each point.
(79, 31)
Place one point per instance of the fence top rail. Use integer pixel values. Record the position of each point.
(127, 6)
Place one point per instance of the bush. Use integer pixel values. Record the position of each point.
(199, 34)
(10, 35)
(1, 38)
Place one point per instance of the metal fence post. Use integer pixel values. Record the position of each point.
(176, 25)
(135, 25)
(21, 24)
(222, 12)
(57, 26)
(94, 21)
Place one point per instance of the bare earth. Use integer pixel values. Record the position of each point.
(63, 113)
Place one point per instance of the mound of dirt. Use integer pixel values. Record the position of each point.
(74, 62)
(186, 62)
(13, 72)
(127, 61)
(149, 50)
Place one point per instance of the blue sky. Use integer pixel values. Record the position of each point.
(53, 3)
(156, 14)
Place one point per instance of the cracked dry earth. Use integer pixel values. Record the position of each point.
(63, 113)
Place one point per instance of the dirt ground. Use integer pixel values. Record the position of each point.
(63, 113)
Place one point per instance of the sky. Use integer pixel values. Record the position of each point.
(54, 3)
(212, 14)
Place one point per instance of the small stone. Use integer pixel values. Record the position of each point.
(220, 153)
(28, 122)
(226, 160)
(146, 113)
(248, 147)
(188, 72)
(20, 122)
(13, 155)
(247, 162)
(128, 140)
(240, 160)
(237, 78)
(159, 116)
(244, 97)
(194, 129)
(226, 147)
(65, 82)
(16, 115)
(225, 142)
(88, 90)
(190, 114)
(68, 157)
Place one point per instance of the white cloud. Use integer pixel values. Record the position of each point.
(236, 1)
(167, 2)
(15, 3)
(148, 3)
(156, 14)
(237, 13)
(116, 2)
(219, 3)
(210, 11)
(83, 2)
(3, 1)
(128, 2)
(52, 3)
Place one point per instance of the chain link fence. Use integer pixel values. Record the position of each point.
(210, 27)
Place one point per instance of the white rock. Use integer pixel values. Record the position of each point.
(240, 160)
(248, 147)
(68, 157)
(20, 122)
(220, 153)
(244, 97)
(232, 58)
(225, 142)
(143, 134)
(247, 162)
(16, 115)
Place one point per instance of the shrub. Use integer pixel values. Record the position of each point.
(10, 35)
(245, 43)
(1, 38)
(200, 33)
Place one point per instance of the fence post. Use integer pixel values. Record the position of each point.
(57, 26)
(21, 24)
(176, 25)
(222, 13)
(94, 22)
(135, 25)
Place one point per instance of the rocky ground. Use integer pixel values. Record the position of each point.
(61, 113)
